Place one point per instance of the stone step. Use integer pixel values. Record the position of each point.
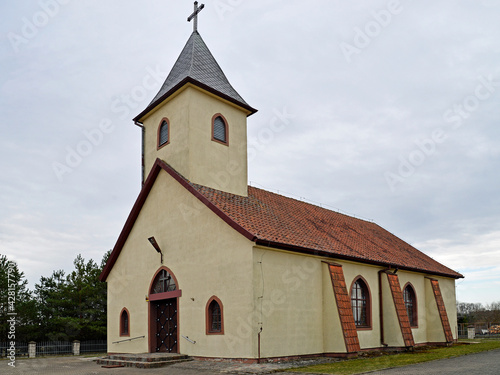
(145, 361)
(151, 357)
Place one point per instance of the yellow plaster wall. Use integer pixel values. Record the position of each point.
(191, 150)
(299, 313)
(288, 301)
(392, 330)
(206, 256)
(435, 331)
(448, 291)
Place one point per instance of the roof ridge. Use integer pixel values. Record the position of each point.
(269, 222)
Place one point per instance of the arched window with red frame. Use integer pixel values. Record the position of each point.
(124, 323)
(220, 129)
(163, 133)
(214, 317)
(410, 299)
(360, 303)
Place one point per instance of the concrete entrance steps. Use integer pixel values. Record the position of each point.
(146, 360)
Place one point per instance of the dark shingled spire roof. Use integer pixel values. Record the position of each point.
(197, 65)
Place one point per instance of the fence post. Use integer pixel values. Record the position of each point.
(471, 332)
(76, 347)
(31, 349)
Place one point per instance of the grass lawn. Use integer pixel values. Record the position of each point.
(360, 365)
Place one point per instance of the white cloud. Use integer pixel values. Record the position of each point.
(353, 121)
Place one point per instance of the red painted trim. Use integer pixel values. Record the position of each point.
(415, 304)
(166, 295)
(203, 199)
(369, 325)
(208, 318)
(151, 312)
(134, 213)
(226, 129)
(185, 81)
(154, 277)
(158, 145)
(128, 323)
(148, 185)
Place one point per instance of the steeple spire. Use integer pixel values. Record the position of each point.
(194, 15)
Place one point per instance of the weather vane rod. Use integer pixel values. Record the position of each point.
(197, 10)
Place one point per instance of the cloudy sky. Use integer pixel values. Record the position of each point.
(389, 110)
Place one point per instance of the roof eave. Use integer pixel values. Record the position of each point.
(136, 209)
(201, 85)
(327, 254)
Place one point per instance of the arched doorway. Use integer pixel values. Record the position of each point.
(163, 298)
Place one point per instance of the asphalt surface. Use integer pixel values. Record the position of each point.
(485, 363)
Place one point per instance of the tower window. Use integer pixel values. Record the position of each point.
(411, 304)
(164, 133)
(124, 323)
(219, 129)
(360, 303)
(214, 317)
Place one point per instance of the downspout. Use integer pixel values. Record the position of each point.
(258, 339)
(143, 146)
(381, 307)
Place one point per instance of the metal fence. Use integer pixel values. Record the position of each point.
(47, 348)
(21, 349)
(53, 348)
(93, 346)
(484, 330)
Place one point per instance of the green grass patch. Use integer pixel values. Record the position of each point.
(384, 361)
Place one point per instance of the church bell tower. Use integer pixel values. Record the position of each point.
(197, 121)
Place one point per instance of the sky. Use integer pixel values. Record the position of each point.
(386, 110)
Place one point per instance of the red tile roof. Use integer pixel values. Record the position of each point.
(399, 303)
(279, 221)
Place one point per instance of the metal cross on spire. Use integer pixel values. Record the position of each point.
(197, 10)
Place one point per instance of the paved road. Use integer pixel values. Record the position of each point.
(486, 363)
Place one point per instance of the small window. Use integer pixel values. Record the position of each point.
(124, 323)
(411, 304)
(214, 319)
(360, 302)
(219, 129)
(164, 282)
(163, 133)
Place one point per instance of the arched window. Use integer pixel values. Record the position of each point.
(124, 323)
(164, 282)
(219, 129)
(411, 304)
(214, 317)
(163, 133)
(360, 302)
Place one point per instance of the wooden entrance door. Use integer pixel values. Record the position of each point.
(166, 325)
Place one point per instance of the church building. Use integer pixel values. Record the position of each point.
(210, 267)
